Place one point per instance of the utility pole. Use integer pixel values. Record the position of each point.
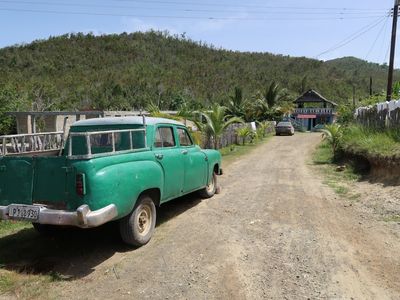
(392, 51)
(370, 85)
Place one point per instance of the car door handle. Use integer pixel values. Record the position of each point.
(159, 156)
(3, 168)
(184, 152)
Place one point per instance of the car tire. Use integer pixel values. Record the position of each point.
(210, 189)
(137, 228)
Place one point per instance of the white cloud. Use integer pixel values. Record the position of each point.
(136, 24)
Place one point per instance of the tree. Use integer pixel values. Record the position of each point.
(345, 114)
(396, 90)
(10, 100)
(243, 133)
(262, 127)
(237, 105)
(303, 86)
(333, 135)
(274, 94)
(286, 108)
(216, 121)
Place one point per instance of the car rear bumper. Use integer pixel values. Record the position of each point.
(83, 217)
(284, 131)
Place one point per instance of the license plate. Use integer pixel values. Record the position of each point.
(24, 212)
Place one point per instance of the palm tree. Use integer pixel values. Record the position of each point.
(262, 127)
(216, 121)
(256, 108)
(153, 108)
(274, 94)
(243, 133)
(237, 105)
(333, 135)
(286, 108)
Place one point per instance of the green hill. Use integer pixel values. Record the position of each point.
(79, 71)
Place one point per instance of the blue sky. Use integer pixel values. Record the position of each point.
(296, 28)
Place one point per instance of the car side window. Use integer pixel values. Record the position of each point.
(184, 138)
(164, 137)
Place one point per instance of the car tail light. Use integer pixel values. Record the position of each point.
(80, 184)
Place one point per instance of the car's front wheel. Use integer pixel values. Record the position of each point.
(137, 228)
(210, 189)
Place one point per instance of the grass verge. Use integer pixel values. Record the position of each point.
(233, 152)
(373, 143)
(25, 286)
(339, 181)
(21, 284)
(9, 227)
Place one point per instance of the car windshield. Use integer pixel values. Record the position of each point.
(281, 124)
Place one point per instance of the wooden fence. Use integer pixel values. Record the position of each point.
(230, 136)
(380, 116)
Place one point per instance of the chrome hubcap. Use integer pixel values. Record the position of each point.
(210, 186)
(144, 220)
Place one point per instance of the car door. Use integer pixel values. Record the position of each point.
(194, 161)
(169, 157)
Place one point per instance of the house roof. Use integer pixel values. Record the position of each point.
(137, 120)
(313, 96)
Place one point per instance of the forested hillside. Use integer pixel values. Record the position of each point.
(78, 71)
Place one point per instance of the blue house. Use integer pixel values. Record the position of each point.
(313, 109)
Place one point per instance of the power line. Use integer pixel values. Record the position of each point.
(387, 54)
(177, 16)
(253, 6)
(377, 37)
(275, 12)
(353, 36)
(384, 41)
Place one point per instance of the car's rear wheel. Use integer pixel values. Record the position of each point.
(210, 189)
(137, 228)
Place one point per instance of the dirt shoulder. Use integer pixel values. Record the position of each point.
(275, 232)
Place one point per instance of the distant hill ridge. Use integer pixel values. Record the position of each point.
(77, 71)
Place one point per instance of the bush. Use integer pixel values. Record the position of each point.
(333, 135)
(362, 140)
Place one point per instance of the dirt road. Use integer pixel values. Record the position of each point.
(275, 232)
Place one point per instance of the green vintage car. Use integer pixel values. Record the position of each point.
(108, 169)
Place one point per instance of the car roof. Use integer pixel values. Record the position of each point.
(136, 120)
(285, 122)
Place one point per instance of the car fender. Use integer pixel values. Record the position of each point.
(121, 184)
(214, 159)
